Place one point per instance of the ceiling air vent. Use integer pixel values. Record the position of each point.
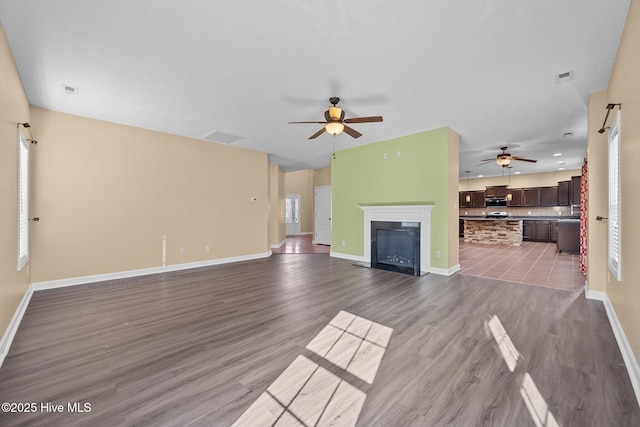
(564, 77)
(224, 138)
(70, 90)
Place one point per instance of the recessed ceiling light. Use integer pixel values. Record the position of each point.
(561, 162)
(517, 173)
(560, 169)
(480, 176)
(557, 154)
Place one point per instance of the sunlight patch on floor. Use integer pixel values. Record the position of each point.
(307, 394)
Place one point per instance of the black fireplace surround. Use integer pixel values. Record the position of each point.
(395, 246)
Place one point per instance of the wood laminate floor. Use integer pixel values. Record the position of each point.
(302, 244)
(314, 340)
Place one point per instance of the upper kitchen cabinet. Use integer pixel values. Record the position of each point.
(466, 199)
(496, 191)
(514, 197)
(564, 193)
(549, 196)
(531, 197)
(575, 189)
(478, 199)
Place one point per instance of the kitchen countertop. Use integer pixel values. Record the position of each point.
(516, 218)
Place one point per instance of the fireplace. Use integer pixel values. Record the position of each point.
(395, 246)
(417, 214)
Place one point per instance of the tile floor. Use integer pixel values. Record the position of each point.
(533, 263)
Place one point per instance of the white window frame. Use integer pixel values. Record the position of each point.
(23, 201)
(614, 244)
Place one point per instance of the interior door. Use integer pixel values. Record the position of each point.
(292, 214)
(323, 216)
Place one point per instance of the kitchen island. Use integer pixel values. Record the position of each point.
(493, 231)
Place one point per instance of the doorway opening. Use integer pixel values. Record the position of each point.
(292, 214)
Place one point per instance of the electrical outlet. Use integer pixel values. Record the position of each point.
(344, 243)
(385, 156)
(206, 248)
(437, 254)
(398, 153)
(183, 251)
(528, 213)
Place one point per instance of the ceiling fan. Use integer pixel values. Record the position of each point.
(504, 159)
(335, 122)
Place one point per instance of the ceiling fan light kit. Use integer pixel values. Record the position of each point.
(334, 127)
(504, 160)
(335, 122)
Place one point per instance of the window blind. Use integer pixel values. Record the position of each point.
(613, 232)
(23, 201)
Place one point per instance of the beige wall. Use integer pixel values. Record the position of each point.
(301, 182)
(545, 179)
(115, 198)
(14, 109)
(277, 229)
(597, 194)
(322, 177)
(624, 88)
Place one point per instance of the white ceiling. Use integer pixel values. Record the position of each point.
(246, 68)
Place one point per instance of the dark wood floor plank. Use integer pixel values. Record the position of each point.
(198, 347)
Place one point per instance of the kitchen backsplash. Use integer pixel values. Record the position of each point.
(549, 211)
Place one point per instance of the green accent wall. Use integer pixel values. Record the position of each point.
(418, 175)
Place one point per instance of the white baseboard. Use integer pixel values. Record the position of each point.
(630, 360)
(349, 257)
(11, 330)
(52, 284)
(279, 245)
(594, 295)
(445, 271)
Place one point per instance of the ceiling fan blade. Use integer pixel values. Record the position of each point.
(488, 160)
(484, 162)
(316, 123)
(364, 119)
(522, 159)
(317, 134)
(352, 132)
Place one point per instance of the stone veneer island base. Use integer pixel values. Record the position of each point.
(493, 231)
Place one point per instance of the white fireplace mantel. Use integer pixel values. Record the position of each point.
(400, 213)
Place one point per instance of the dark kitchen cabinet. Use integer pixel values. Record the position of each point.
(553, 231)
(477, 199)
(564, 193)
(531, 197)
(496, 191)
(528, 230)
(575, 190)
(549, 196)
(539, 230)
(515, 200)
(464, 203)
(542, 231)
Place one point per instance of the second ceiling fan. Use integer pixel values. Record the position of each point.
(335, 122)
(504, 159)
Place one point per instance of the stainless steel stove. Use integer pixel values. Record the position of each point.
(497, 214)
